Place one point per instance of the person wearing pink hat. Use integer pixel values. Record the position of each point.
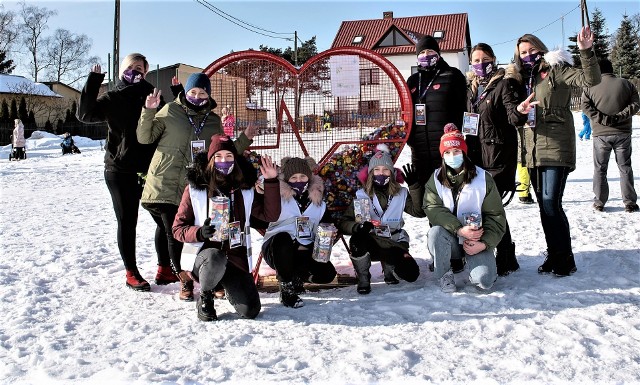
(465, 209)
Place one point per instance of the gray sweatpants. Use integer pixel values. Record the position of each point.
(443, 246)
(621, 146)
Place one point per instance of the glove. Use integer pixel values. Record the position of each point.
(608, 120)
(364, 228)
(207, 230)
(410, 174)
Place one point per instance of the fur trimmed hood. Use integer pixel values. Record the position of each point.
(316, 190)
(557, 57)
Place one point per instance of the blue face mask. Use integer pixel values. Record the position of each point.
(132, 76)
(298, 187)
(224, 168)
(196, 101)
(381, 180)
(454, 161)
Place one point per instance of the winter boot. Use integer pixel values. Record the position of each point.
(165, 276)
(136, 282)
(186, 286)
(288, 296)
(546, 266)
(564, 265)
(361, 266)
(206, 310)
(298, 285)
(506, 261)
(389, 276)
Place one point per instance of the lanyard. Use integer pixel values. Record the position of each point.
(375, 210)
(480, 98)
(197, 129)
(422, 94)
(530, 85)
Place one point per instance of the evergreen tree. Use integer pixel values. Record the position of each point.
(48, 126)
(14, 110)
(625, 55)
(4, 112)
(23, 114)
(6, 66)
(74, 112)
(67, 116)
(32, 117)
(601, 39)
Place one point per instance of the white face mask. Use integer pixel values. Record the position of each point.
(453, 161)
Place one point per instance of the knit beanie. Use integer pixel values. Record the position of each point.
(427, 42)
(292, 166)
(382, 158)
(452, 138)
(199, 80)
(221, 142)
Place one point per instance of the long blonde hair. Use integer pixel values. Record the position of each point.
(130, 59)
(534, 41)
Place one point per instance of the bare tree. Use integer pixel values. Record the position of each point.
(37, 100)
(9, 31)
(34, 22)
(66, 55)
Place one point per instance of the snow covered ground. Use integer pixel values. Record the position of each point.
(67, 318)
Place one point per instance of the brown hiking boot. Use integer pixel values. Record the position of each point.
(186, 286)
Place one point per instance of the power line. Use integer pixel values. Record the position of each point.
(539, 29)
(243, 24)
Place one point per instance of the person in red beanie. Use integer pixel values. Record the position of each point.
(465, 210)
(215, 252)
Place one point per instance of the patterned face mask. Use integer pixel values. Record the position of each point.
(531, 60)
(224, 168)
(381, 180)
(132, 76)
(299, 187)
(196, 101)
(483, 69)
(426, 61)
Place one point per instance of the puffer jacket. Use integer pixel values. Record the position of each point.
(18, 136)
(493, 215)
(445, 102)
(173, 132)
(120, 108)
(553, 140)
(495, 148)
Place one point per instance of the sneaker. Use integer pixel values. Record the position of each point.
(136, 282)
(448, 283)
(598, 207)
(186, 287)
(165, 276)
(527, 200)
(288, 296)
(631, 207)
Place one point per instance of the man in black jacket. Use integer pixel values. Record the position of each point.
(438, 92)
(611, 105)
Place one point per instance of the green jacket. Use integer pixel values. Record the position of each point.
(553, 140)
(493, 216)
(170, 127)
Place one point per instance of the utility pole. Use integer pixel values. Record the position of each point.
(295, 49)
(563, 42)
(116, 40)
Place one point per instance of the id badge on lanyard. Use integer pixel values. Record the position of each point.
(235, 235)
(421, 114)
(197, 146)
(470, 122)
(303, 228)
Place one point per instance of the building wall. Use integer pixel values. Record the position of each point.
(43, 107)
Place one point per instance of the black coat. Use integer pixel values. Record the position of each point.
(495, 149)
(121, 110)
(445, 102)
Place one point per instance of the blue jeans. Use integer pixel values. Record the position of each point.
(548, 184)
(444, 246)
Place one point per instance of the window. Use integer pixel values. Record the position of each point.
(370, 76)
(438, 34)
(394, 38)
(358, 39)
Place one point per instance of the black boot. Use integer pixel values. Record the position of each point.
(506, 261)
(564, 265)
(361, 266)
(546, 266)
(288, 296)
(298, 285)
(389, 276)
(206, 311)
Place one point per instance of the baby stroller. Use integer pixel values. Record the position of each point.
(68, 147)
(17, 153)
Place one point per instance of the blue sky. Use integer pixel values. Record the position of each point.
(170, 32)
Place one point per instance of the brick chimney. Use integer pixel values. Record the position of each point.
(387, 15)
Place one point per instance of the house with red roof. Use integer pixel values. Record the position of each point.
(395, 38)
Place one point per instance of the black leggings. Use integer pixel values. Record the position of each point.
(167, 247)
(282, 254)
(404, 266)
(125, 194)
(212, 268)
